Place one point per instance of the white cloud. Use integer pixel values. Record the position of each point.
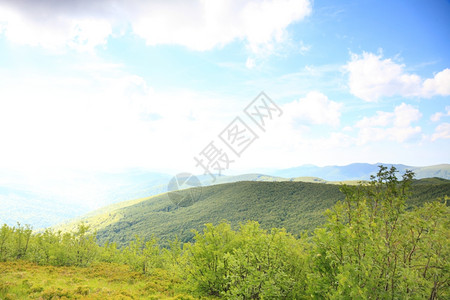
(207, 24)
(382, 119)
(371, 77)
(405, 114)
(88, 33)
(437, 116)
(294, 139)
(315, 108)
(250, 63)
(394, 125)
(82, 33)
(304, 48)
(198, 25)
(105, 118)
(439, 85)
(333, 141)
(442, 132)
(403, 134)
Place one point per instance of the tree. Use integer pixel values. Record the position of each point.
(84, 246)
(248, 264)
(5, 236)
(22, 239)
(208, 259)
(143, 255)
(266, 265)
(371, 247)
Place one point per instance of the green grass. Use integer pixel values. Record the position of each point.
(25, 280)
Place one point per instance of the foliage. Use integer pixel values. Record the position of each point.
(372, 248)
(143, 256)
(249, 264)
(48, 248)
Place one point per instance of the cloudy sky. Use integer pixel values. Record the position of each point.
(119, 84)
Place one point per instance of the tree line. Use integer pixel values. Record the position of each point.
(370, 247)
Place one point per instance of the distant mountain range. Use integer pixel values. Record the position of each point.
(360, 171)
(66, 196)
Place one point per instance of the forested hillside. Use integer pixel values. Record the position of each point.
(40, 208)
(295, 206)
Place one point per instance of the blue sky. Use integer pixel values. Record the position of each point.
(122, 84)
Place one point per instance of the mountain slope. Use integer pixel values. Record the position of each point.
(296, 206)
(60, 195)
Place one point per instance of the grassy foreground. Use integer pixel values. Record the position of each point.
(26, 280)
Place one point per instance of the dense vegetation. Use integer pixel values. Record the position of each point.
(295, 206)
(272, 204)
(370, 247)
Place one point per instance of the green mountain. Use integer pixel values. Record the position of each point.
(296, 206)
(67, 194)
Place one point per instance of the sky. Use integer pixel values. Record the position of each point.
(114, 84)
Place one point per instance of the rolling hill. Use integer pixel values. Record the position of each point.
(60, 196)
(296, 206)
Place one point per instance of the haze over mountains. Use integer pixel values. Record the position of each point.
(62, 196)
(361, 171)
(43, 201)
